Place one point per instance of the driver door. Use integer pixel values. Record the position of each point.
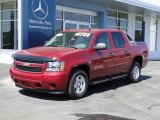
(103, 62)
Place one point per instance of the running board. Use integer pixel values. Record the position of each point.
(109, 79)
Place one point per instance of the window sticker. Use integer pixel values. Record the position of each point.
(88, 34)
(59, 34)
(77, 34)
(82, 34)
(85, 34)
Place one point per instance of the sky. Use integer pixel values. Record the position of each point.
(154, 2)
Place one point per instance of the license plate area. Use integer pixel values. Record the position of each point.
(26, 84)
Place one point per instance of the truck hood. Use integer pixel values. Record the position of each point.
(49, 52)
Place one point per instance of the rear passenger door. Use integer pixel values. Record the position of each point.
(123, 63)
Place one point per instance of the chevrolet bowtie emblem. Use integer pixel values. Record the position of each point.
(26, 64)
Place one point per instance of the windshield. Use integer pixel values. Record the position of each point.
(79, 40)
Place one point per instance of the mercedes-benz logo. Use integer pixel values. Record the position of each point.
(40, 9)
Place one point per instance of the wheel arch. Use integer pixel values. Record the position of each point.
(138, 59)
(85, 67)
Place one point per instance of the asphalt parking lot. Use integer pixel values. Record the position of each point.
(116, 100)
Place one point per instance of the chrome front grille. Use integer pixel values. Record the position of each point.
(29, 66)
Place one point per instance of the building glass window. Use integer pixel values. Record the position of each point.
(9, 31)
(82, 19)
(117, 20)
(69, 20)
(112, 22)
(138, 28)
(153, 34)
(94, 21)
(76, 17)
(59, 15)
(59, 21)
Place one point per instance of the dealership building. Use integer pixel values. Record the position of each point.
(30, 23)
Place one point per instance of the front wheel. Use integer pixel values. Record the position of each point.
(78, 84)
(134, 73)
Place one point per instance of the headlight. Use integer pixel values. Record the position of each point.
(55, 66)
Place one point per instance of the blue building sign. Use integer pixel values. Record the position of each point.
(38, 19)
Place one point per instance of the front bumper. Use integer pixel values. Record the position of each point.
(50, 82)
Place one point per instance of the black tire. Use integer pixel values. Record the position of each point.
(77, 84)
(134, 76)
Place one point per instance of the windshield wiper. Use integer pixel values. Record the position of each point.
(72, 47)
(60, 46)
(52, 46)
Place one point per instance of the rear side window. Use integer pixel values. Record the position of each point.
(103, 38)
(118, 39)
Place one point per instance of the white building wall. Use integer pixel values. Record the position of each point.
(6, 56)
(20, 12)
(131, 25)
(158, 37)
(155, 55)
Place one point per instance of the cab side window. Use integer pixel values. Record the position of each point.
(103, 38)
(118, 39)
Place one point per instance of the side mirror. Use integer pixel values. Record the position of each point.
(100, 46)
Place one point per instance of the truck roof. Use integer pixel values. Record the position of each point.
(93, 30)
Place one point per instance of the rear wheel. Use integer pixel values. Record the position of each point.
(78, 84)
(134, 73)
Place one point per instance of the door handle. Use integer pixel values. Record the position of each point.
(111, 55)
(126, 53)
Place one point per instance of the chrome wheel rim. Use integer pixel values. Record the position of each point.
(136, 72)
(79, 85)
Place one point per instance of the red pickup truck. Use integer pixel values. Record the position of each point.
(74, 59)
